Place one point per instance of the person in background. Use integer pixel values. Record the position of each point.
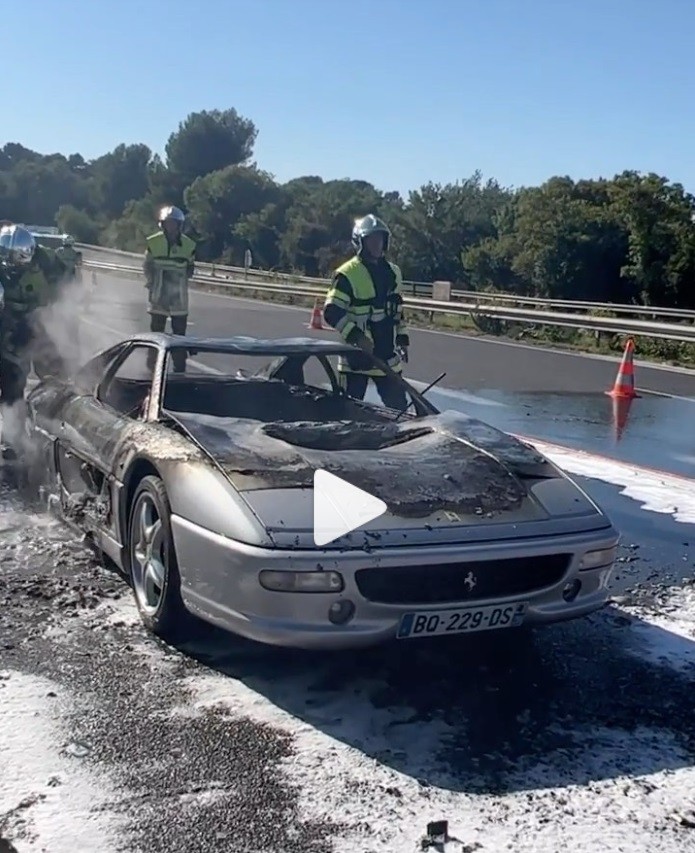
(71, 258)
(365, 305)
(30, 277)
(168, 266)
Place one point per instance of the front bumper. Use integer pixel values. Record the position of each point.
(220, 584)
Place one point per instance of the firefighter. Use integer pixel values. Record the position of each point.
(365, 305)
(70, 257)
(169, 264)
(30, 275)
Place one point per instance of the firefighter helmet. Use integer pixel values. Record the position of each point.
(17, 245)
(369, 224)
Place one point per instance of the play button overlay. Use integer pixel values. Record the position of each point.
(340, 507)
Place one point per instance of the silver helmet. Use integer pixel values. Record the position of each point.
(171, 214)
(369, 224)
(17, 245)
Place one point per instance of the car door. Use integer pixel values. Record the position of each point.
(92, 428)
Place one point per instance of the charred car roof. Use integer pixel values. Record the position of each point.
(244, 345)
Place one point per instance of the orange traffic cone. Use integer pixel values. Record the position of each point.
(316, 321)
(624, 386)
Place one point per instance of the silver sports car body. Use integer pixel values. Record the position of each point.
(197, 480)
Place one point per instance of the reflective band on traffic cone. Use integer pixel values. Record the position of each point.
(624, 385)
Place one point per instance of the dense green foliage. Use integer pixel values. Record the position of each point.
(627, 239)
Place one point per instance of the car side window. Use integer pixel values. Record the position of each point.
(128, 389)
(90, 373)
(302, 371)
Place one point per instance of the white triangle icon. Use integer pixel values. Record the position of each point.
(340, 507)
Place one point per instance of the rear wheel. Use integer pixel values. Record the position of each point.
(154, 570)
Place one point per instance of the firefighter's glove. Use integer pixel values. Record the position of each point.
(402, 343)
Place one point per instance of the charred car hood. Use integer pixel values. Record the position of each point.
(441, 471)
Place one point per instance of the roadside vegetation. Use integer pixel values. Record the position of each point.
(628, 239)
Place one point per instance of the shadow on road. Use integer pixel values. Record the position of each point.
(566, 705)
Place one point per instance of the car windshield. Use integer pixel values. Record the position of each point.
(221, 383)
(223, 363)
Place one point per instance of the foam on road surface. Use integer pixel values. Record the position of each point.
(581, 738)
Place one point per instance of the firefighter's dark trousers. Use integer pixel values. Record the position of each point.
(389, 389)
(23, 342)
(179, 325)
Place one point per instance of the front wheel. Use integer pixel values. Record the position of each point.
(154, 570)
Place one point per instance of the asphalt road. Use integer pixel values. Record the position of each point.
(551, 395)
(470, 363)
(581, 737)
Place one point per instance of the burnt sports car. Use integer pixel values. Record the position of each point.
(190, 463)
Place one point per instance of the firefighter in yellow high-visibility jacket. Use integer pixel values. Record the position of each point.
(169, 264)
(365, 305)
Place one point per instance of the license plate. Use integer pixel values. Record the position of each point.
(433, 623)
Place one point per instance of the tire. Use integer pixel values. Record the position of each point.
(152, 564)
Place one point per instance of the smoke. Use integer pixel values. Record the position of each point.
(14, 432)
(57, 348)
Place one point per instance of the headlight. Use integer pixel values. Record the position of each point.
(301, 581)
(597, 559)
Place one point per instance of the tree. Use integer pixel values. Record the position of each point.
(440, 221)
(217, 201)
(630, 238)
(121, 176)
(208, 141)
(658, 217)
(78, 223)
(130, 231)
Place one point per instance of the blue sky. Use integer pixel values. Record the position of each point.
(396, 92)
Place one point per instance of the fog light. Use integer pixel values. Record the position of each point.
(571, 590)
(598, 559)
(341, 612)
(301, 581)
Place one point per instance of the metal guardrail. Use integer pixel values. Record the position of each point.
(423, 288)
(415, 287)
(684, 333)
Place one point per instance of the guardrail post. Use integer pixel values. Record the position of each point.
(441, 292)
